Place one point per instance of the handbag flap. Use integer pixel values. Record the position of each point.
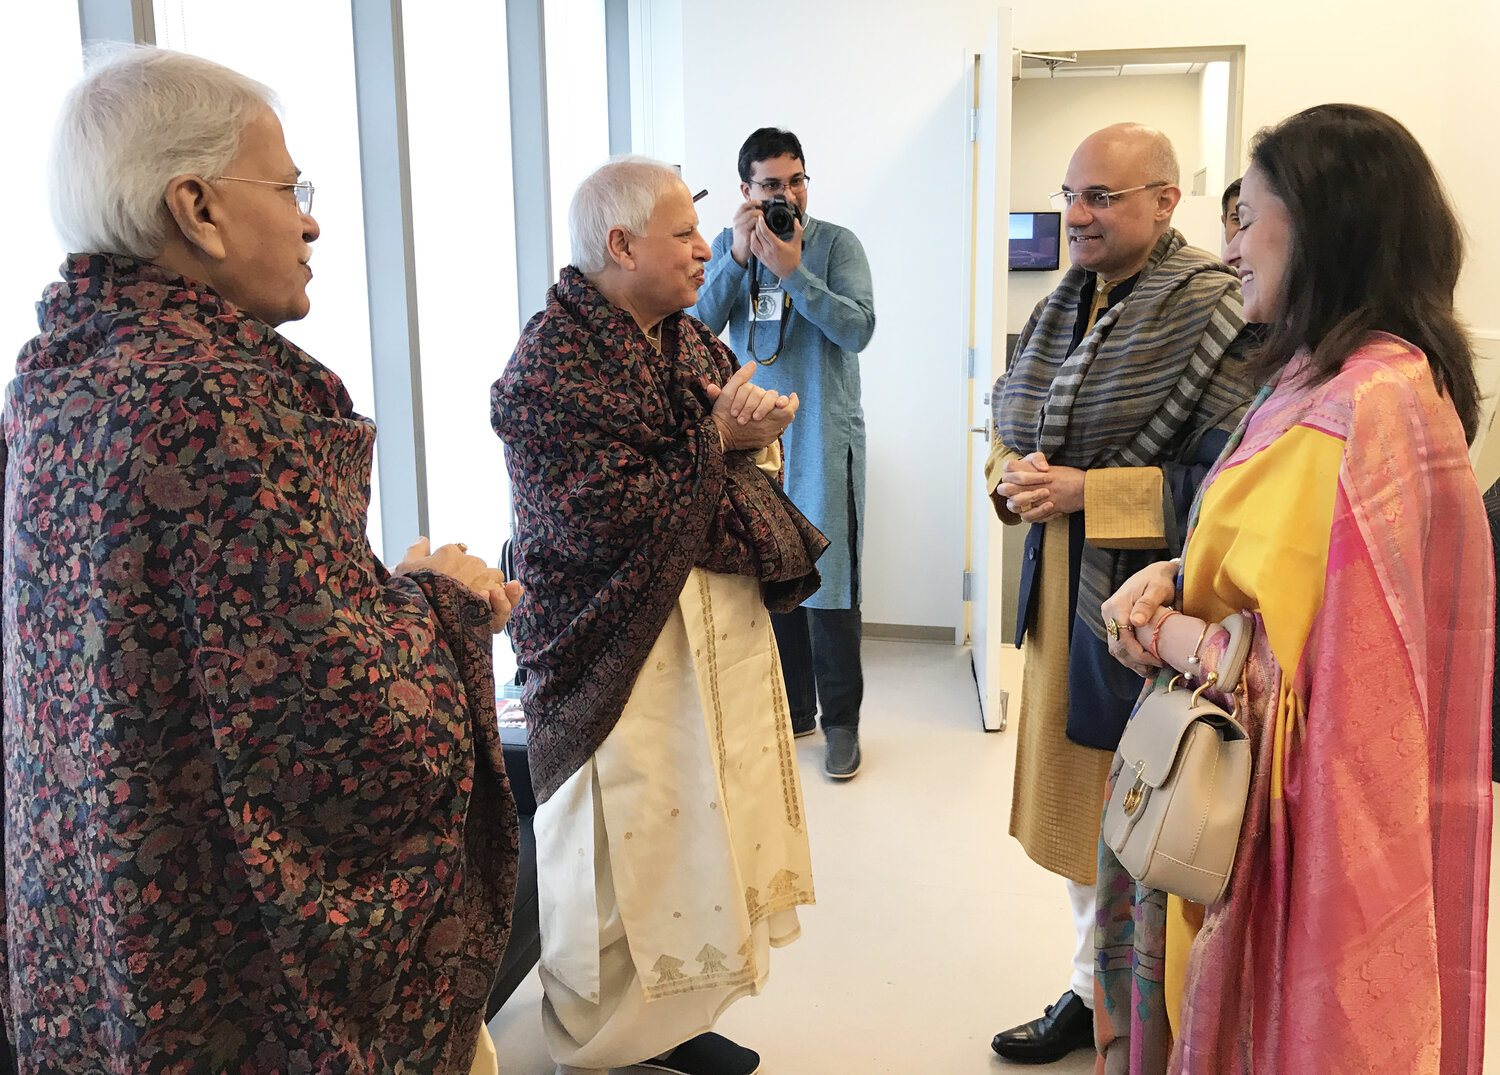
(1149, 745)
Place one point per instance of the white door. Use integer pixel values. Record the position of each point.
(989, 180)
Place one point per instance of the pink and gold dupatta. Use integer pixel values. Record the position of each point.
(1352, 937)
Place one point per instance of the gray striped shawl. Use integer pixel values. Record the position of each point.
(1141, 389)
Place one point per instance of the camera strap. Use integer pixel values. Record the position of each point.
(786, 312)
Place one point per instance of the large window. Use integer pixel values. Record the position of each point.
(577, 106)
(305, 53)
(42, 59)
(463, 220)
(457, 97)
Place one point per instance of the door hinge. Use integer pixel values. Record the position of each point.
(968, 585)
(973, 124)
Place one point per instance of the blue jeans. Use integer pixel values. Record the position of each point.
(819, 650)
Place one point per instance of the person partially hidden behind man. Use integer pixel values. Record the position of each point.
(1229, 220)
(672, 848)
(1125, 384)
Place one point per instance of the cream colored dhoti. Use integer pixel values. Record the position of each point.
(672, 861)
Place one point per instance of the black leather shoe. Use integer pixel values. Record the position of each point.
(707, 1054)
(1063, 1027)
(804, 726)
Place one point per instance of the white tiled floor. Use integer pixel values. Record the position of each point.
(932, 929)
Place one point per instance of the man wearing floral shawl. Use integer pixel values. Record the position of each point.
(653, 538)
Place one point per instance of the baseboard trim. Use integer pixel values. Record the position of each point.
(909, 632)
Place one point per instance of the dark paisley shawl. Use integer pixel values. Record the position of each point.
(256, 816)
(620, 489)
(1157, 371)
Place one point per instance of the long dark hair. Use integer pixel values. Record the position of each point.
(1376, 247)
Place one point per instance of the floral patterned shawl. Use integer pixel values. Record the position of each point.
(620, 490)
(256, 818)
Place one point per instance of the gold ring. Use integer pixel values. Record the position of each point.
(462, 547)
(1112, 628)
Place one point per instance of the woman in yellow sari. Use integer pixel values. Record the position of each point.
(1344, 529)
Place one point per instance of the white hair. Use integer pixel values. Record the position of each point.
(620, 193)
(139, 118)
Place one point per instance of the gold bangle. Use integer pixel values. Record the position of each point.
(1194, 659)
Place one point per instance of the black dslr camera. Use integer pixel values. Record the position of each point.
(781, 217)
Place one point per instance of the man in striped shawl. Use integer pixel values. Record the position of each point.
(1125, 384)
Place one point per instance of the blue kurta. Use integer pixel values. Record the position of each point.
(832, 320)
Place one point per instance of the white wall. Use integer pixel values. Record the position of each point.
(1428, 64)
(1471, 166)
(870, 86)
(1050, 116)
(1213, 129)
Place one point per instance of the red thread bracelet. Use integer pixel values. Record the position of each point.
(1156, 635)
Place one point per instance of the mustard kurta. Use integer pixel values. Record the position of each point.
(1058, 793)
(1055, 802)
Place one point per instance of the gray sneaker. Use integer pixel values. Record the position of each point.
(842, 761)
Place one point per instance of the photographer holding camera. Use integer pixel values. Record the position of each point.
(795, 294)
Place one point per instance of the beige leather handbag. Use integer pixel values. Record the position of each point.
(1181, 777)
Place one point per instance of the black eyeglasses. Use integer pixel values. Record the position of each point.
(774, 187)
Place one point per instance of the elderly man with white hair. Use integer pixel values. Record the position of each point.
(256, 816)
(653, 537)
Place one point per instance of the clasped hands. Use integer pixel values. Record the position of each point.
(1135, 609)
(1037, 491)
(454, 561)
(749, 417)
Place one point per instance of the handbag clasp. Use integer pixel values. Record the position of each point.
(1134, 795)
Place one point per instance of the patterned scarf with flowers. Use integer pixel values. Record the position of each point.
(621, 489)
(256, 817)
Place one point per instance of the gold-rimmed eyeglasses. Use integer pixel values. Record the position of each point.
(1094, 199)
(774, 187)
(303, 190)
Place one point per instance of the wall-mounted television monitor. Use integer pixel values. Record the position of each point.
(1035, 241)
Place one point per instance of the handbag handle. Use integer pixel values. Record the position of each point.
(1211, 680)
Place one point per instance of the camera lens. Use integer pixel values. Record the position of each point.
(780, 218)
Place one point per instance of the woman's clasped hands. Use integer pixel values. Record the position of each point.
(454, 561)
(1140, 603)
